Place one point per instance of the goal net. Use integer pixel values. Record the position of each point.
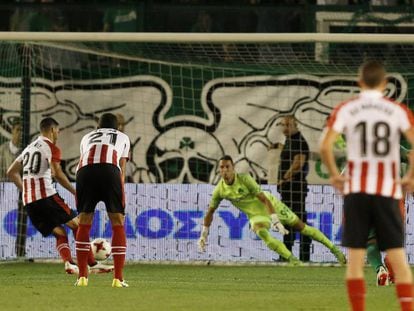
(187, 100)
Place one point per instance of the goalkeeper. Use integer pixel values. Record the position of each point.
(263, 210)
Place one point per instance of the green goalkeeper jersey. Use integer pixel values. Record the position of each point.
(242, 194)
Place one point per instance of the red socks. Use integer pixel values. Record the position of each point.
(62, 247)
(84, 254)
(356, 293)
(405, 296)
(83, 248)
(118, 250)
(91, 258)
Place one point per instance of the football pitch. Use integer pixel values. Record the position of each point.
(44, 286)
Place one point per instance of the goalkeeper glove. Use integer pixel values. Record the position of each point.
(202, 241)
(277, 225)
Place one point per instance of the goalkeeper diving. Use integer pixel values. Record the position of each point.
(263, 210)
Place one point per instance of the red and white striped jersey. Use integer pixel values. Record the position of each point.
(372, 125)
(37, 175)
(103, 145)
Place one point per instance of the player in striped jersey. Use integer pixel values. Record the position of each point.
(373, 126)
(100, 177)
(39, 162)
(383, 270)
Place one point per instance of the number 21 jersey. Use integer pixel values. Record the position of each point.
(372, 125)
(103, 145)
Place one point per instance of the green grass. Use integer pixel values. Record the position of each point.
(36, 286)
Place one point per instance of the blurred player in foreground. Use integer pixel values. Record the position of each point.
(100, 177)
(372, 125)
(263, 210)
(40, 161)
(383, 270)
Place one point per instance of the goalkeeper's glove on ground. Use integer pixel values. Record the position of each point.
(202, 241)
(277, 225)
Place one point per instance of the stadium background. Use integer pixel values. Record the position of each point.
(188, 104)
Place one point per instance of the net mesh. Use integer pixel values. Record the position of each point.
(185, 105)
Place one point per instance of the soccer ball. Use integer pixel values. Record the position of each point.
(101, 249)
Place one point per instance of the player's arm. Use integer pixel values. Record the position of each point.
(208, 219)
(329, 137)
(276, 224)
(266, 202)
(61, 177)
(122, 164)
(255, 189)
(296, 166)
(14, 174)
(275, 146)
(125, 155)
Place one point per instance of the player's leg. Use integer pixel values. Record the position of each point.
(317, 235)
(94, 266)
(114, 199)
(355, 278)
(375, 260)
(299, 199)
(294, 197)
(47, 216)
(74, 225)
(87, 196)
(62, 246)
(391, 274)
(357, 222)
(390, 236)
(403, 277)
(83, 246)
(390, 270)
(373, 254)
(118, 248)
(260, 225)
(289, 218)
(287, 198)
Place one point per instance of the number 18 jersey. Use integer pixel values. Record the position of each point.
(37, 176)
(103, 145)
(372, 125)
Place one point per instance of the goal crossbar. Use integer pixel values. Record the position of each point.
(207, 37)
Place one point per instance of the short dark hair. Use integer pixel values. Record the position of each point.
(372, 73)
(108, 120)
(47, 123)
(226, 158)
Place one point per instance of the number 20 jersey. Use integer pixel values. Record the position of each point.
(372, 125)
(37, 176)
(103, 145)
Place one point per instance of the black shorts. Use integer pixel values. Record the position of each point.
(100, 182)
(363, 212)
(49, 213)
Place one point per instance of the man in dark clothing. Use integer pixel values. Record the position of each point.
(292, 184)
